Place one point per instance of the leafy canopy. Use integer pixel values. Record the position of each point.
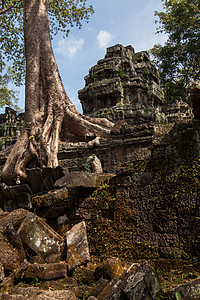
(62, 15)
(7, 96)
(179, 59)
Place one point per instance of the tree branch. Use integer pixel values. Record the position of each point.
(6, 9)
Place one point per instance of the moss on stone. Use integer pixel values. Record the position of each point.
(85, 275)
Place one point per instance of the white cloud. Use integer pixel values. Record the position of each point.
(70, 46)
(89, 29)
(103, 39)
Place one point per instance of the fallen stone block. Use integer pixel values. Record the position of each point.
(138, 282)
(187, 291)
(17, 274)
(11, 192)
(58, 284)
(55, 295)
(95, 164)
(110, 269)
(85, 274)
(82, 179)
(2, 274)
(7, 284)
(46, 271)
(41, 238)
(24, 201)
(18, 189)
(99, 286)
(10, 205)
(37, 259)
(13, 297)
(15, 240)
(52, 204)
(23, 293)
(42, 180)
(9, 257)
(13, 219)
(77, 246)
(81, 291)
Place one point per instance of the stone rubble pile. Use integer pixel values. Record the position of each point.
(31, 249)
(38, 263)
(50, 192)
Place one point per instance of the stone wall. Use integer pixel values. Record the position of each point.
(179, 110)
(10, 126)
(149, 209)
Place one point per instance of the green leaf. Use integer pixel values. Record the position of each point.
(178, 296)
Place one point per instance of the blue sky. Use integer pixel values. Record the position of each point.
(126, 22)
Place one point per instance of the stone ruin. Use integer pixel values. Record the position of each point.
(11, 124)
(126, 85)
(145, 180)
(123, 85)
(179, 110)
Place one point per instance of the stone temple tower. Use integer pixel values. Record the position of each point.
(123, 85)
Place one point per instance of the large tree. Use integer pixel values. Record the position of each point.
(179, 59)
(48, 110)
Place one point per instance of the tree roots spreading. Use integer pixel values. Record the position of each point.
(49, 113)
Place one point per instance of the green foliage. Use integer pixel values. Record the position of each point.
(121, 74)
(7, 96)
(87, 167)
(178, 296)
(62, 15)
(179, 59)
(35, 282)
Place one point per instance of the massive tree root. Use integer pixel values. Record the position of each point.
(48, 110)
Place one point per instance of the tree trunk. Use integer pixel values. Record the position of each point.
(48, 110)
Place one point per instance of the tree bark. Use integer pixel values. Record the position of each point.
(48, 110)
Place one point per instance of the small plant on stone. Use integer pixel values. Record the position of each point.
(87, 167)
(35, 281)
(121, 74)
